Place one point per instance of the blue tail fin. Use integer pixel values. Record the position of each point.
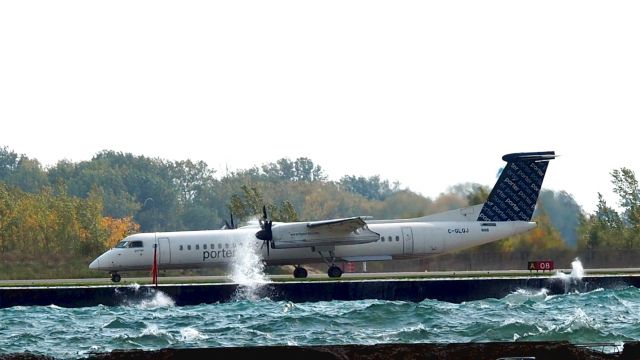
(515, 194)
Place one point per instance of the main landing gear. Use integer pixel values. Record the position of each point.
(334, 271)
(115, 277)
(299, 272)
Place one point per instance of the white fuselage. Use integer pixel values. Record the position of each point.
(210, 248)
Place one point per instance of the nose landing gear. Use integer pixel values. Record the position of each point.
(115, 277)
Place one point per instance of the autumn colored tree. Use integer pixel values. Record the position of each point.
(117, 229)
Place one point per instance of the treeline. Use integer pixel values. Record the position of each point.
(613, 229)
(84, 206)
(50, 222)
(87, 206)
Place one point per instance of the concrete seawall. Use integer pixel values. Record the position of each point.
(445, 289)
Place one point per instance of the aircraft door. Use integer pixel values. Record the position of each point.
(407, 240)
(434, 241)
(164, 251)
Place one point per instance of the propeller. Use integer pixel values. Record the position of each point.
(265, 233)
(232, 226)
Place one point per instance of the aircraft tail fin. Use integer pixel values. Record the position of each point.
(514, 196)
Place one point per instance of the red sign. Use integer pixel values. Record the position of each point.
(349, 267)
(545, 265)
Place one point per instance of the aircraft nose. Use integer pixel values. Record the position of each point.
(95, 264)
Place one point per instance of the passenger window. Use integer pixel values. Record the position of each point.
(226, 246)
(204, 246)
(397, 238)
(188, 247)
(382, 238)
(213, 246)
(181, 247)
(219, 245)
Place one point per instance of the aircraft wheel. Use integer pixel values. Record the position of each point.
(115, 277)
(334, 271)
(300, 273)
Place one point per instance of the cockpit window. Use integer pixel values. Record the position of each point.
(129, 244)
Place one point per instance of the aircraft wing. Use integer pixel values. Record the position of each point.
(325, 233)
(345, 225)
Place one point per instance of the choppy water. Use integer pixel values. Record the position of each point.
(603, 315)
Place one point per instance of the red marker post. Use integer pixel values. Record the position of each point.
(154, 267)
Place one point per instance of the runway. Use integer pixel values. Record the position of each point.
(315, 277)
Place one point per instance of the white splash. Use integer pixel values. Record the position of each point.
(579, 320)
(160, 299)
(154, 330)
(247, 269)
(577, 271)
(572, 281)
(288, 306)
(521, 296)
(190, 334)
(134, 286)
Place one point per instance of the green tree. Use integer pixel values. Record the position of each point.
(625, 185)
(302, 169)
(191, 178)
(28, 175)
(602, 230)
(473, 192)
(250, 202)
(7, 210)
(8, 163)
(372, 188)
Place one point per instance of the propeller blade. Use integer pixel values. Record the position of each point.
(265, 233)
(265, 242)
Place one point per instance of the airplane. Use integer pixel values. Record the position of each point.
(507, 212)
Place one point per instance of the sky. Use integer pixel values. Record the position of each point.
(426, 93)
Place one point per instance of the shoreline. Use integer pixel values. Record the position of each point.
(478, 351)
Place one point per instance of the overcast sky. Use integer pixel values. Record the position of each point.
(428, 93)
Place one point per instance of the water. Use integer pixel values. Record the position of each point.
(603, 315)
(247, 270)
